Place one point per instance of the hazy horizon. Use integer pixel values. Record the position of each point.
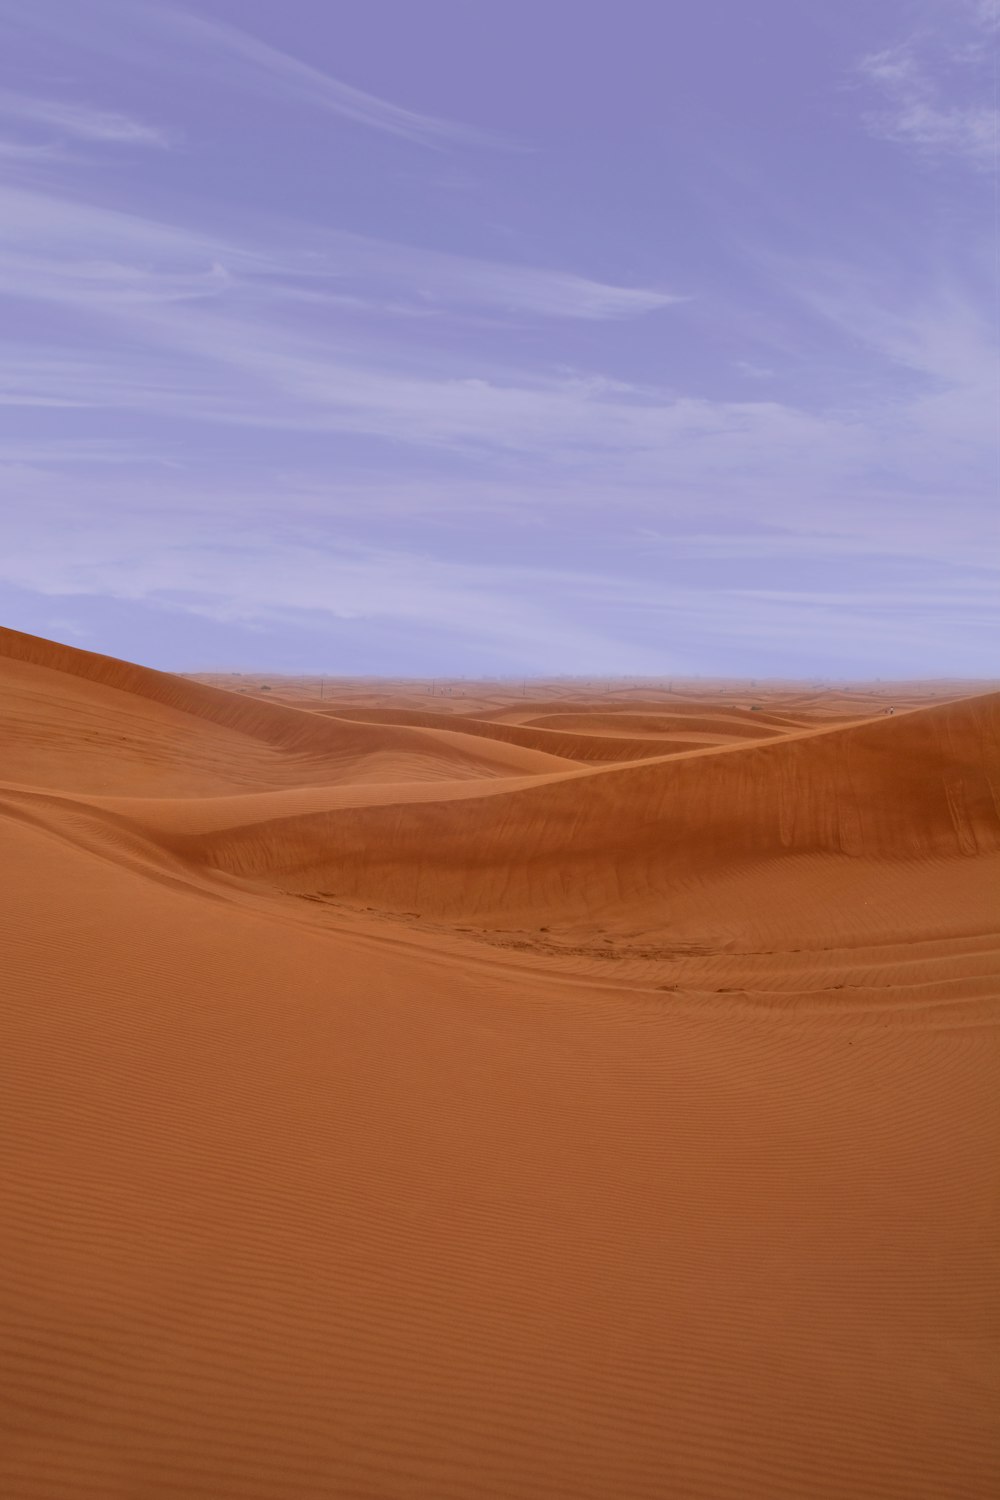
(559, 341)
(663, 680)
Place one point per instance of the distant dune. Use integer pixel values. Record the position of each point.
(528, 1094)
(910, 786)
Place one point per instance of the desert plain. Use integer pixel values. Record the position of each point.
(484, 1091)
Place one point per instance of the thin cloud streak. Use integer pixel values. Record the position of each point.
(80, 121)
(35, 226)
(270, 70)
(445, 278)
(144, 32)
(28, 153)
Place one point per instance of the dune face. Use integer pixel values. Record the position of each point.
(411, 1101)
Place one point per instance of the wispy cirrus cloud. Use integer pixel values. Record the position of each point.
(140, 558)
(27, 153)
(189, 304)
(60, 247)
(938, 88)
(561, 617)
(197, 328)
(987, 14)
(163, 36)
(267, 69)
(435, 277)
(79, 121)
(566, 446)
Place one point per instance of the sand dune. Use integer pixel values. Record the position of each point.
(583, 842)
(405, 1102)
(583, 747)
(104, 725)
(710, 728)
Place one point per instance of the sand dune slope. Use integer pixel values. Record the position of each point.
(581, 747)
(303, 1202)
(73, 719)
(716, 727)
(569, 713)
(921, 784)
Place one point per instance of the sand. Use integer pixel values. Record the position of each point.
(496, 1092)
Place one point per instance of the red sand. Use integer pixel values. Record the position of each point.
(501, 1095)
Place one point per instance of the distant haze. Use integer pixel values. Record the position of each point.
(449, 338)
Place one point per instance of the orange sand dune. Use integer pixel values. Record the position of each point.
(583, 747)
(105, 725)
(717, 727)
(592, 1130)
(583, 843)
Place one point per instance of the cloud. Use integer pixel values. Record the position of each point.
(64, 247)
(987, 14)
(59, 627)
(68, 230)
(917, 111)
(438, 277)
(512, 614)
(157, 35)
(27, 152)
(752, 370)
(80, 121)
(270, 70)
(218, 361)
(279, 382)
(194, 329)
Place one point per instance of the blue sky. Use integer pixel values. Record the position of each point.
(467, 338)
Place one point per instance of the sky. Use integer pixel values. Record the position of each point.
(466, 338)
